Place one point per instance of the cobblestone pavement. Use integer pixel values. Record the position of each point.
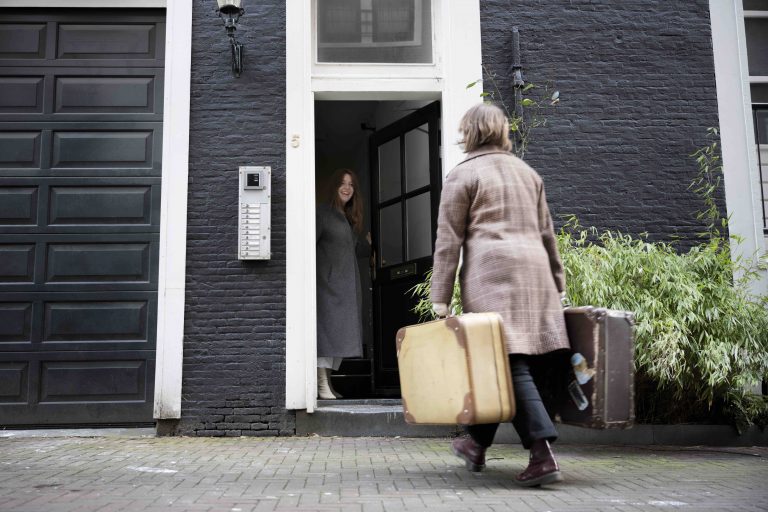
(104, 474)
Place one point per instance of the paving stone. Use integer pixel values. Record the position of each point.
(62, 474)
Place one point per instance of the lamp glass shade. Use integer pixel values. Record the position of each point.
(230, 5)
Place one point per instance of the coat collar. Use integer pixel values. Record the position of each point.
(484, 150)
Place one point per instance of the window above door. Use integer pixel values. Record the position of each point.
(375, 37)
(374, 31)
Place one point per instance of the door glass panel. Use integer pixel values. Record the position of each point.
(759, 93)
(374, 31)
(419, 226)
(417, 158)
(755, 5)
(389, 169)
(391, 234)
(757, 45)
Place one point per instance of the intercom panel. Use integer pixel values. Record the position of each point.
(254, 213)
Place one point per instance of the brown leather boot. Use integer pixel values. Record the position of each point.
(472, 453)
(542, 467)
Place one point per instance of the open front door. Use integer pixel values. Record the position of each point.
(405, 195)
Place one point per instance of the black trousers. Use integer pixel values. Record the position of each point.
(532, 420)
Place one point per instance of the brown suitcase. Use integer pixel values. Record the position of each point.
(599, 392)
(455, 371)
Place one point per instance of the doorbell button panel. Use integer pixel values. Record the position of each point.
(254, 213)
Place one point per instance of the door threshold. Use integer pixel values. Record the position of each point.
(395, 402)
(374, 417)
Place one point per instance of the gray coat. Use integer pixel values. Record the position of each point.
(494, 207)
(339, 294)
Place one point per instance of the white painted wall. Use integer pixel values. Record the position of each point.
(173, 210)
(740, 168)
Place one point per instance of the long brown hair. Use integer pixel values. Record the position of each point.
(353, 210)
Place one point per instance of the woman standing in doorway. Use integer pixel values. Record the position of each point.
(339, 294)
(493, 207)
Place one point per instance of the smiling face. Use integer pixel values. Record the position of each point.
(346, 189)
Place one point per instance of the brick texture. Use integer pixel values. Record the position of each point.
(234, 346)
(637, 85)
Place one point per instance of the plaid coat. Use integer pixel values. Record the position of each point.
(493, 207)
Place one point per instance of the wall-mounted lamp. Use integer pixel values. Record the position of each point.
(230, 11)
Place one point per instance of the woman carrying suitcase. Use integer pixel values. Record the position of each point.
(493, 207)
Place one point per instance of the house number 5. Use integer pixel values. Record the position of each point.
(295, 141)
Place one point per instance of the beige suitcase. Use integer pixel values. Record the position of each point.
(455, 371)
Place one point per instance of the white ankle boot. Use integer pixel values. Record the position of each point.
(323, 388)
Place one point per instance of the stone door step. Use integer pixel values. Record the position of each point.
(384, 418)
(364, 418)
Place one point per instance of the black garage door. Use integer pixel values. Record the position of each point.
(81, 97)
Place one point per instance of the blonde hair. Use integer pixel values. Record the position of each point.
(484, 125)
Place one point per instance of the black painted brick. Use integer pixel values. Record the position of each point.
(637, 87)
(234, 346)
(638, 93)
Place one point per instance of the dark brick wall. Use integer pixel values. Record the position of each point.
(638, 92)
(234, 346)
(637, 87)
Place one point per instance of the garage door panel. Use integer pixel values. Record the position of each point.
(77, 321)
(18, 206)
(15, 323)
(20, 149)
(98, 263)
(102, 149)
(100, 205)
(106, 41)
(17, 263)
(72, 94)
(64, 262)
(81, 109)
(77, 149)
(60, 388)
(22, 40)
(104, 94)
(14, 382)
(21, 94)
(87, 381)
(79, 205)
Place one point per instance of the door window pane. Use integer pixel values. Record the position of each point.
(759, 93)
(389, 170)
(419, 217)
(757, 45)
(391, 234)
(761, 126)
(374, 31)
(417, 158)
(755, 5)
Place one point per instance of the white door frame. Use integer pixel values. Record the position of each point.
(458, 62)
(173, 203)
(737, 133)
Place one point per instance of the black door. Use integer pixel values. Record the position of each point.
(405, 178)
(81, 97)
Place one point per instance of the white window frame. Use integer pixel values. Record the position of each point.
(737, 134)
(417, 33)
(173, 203)
(456, 63)
(352, 70)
